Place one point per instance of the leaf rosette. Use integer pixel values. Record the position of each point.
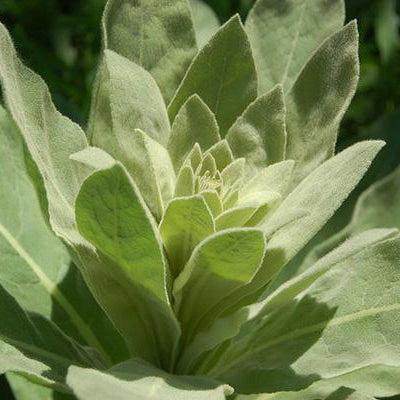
(200, 176)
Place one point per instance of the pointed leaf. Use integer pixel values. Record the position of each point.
(299, 26)
(259, 134)
(50, 136)
(186, 222)
(157, 36)
(319, 98)
(225, 62)
(194, 123)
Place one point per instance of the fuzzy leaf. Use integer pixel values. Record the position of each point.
(50, 136)
(186, 222)
(111, 215)
(222, 74)
(259, 134)
(194, 123)
(299, 26)
(157, 36)
(319, 98)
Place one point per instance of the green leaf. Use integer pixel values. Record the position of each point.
(259, 134)
(222, 74)
(50, 136)
(158, 37)
(387, 28)
(186, 222)
(140, 381)
(194, 123)
(25, 390)
(185, 182)
(284, 34)
(348, 321)
(319, 98)
(222, 154)
(205, 21)
(219, 265)
(42, 277)
(31, 344)
(127, 98)
(111, 215)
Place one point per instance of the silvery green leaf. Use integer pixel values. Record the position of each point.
(132, 278)
(349, 321)
(213, 201)
(157, 36)
(50, 136)
(42, 278)
(222, 154)
(141, 381)
(259, 134)
(218, 266)
(298, 26)
(31, 344)
(185, 182)
(222, 74)
(127, 98)
(319, 98)
(186, 222)
(194, 123)
(205, 21)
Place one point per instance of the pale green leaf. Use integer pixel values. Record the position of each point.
(42, 277)
(50, 136)
(219, 265)
(205, 21)
(319, 98)
(259, 134)
(185, 182)
(349, 320)
(112, 216)
(234, 217)
(194, 123)
(186, 222)
(284, 34)
(222, 154)
(141, 381)
(25, 390)
(127, 98)
(213, 201)
(157, 36)
(222, 74)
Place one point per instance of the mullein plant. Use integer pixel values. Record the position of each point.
(139, 259)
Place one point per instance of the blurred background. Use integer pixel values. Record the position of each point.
(60, 39)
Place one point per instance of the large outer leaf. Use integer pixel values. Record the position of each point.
(159, 36)
(222, 74)
(50, 137)
(35, 267)
(259, 135)
(346, 321)
(141, 381)
(284, 34)
(195, 123)
(319, 98)
(205, 21)
(31, 344)
(112, 216)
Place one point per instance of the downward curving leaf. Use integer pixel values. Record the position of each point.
(349, 323)
(222, 74)
(141, 381)
(284, 34)
(157, 36)
(319, 98)
(50, 136)
(259, 134)
(112, 216)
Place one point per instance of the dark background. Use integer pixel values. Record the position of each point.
(60, 39)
